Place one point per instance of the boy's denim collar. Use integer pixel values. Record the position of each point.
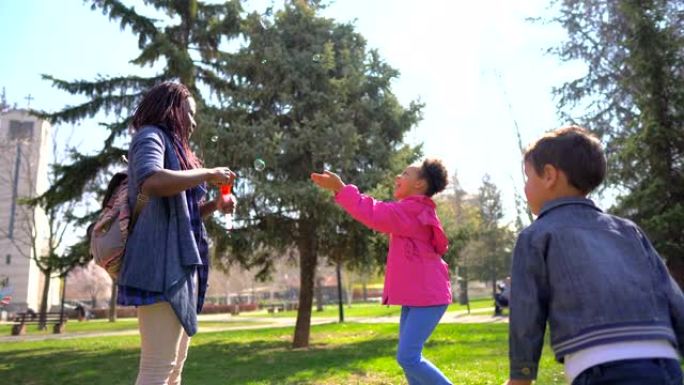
(550, 205)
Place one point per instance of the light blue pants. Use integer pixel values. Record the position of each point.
(415, 326)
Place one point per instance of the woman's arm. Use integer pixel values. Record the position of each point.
(146, 156)
(164, 183)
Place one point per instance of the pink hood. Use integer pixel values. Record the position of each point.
(429, 218)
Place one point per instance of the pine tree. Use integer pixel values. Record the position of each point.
(185, 39)
(497, 239)
(306, 95)
(633, 96)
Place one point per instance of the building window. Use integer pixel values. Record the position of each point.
(20, 130)
(8, 259)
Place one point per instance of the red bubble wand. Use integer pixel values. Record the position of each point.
(226, 190)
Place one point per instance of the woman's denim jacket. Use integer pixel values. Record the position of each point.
(161, 253)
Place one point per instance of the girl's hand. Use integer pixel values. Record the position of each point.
(226, 205)
(220, 175)
(328, 180)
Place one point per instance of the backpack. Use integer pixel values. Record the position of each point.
(109, 232)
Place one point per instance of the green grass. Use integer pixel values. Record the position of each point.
(120, 325)
(371, 310)
(246, 318)
(347, 354)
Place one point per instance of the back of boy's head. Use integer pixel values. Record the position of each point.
(574, 151)
(434, 172)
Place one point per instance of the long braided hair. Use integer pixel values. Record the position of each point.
(167, 106)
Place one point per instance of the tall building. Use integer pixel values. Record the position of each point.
(24, 159)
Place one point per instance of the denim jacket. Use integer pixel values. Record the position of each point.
(161, 253)
(595, 278)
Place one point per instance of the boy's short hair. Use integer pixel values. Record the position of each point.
(573, 150)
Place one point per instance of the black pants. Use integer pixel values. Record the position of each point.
(500, 302)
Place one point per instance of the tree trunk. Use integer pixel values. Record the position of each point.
(319, 293)
(340, 305)
(63, 297)
(365, 289)
(44, 301)
(307, 272)
(349, 288)
(455, 288)
(463, 293)
(112, 302)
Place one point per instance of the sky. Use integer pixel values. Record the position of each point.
(479, 67)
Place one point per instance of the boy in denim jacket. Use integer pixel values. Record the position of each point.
(615, 314)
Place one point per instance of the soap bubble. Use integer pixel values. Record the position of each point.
(214, 139)
(259, 164)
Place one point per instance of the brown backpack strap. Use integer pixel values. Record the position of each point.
(140, 202)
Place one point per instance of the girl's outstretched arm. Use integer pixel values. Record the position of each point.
(386, 217)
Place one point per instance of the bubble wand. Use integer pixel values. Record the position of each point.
(227, 190)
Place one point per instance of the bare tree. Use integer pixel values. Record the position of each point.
(92, 280)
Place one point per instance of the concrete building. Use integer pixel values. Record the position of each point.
(24, 159)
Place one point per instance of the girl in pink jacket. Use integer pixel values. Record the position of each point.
(416, 276)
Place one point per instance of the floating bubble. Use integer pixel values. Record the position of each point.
(214, 139)
(317, 58)
(264, 61)
(259, 164)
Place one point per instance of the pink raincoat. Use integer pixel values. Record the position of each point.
(415, 275)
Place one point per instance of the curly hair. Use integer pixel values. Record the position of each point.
(436, 175)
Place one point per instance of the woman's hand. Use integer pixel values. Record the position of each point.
(220, 175)
(328, 180)
(226, 204)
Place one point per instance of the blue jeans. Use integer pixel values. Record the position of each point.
(651, 371)
(415, 326)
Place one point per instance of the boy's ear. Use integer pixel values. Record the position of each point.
(550, 176)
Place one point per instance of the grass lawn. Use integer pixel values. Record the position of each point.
(373, 310)
(347, 354)
(331, 311)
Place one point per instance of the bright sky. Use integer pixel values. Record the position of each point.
(477, 65)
